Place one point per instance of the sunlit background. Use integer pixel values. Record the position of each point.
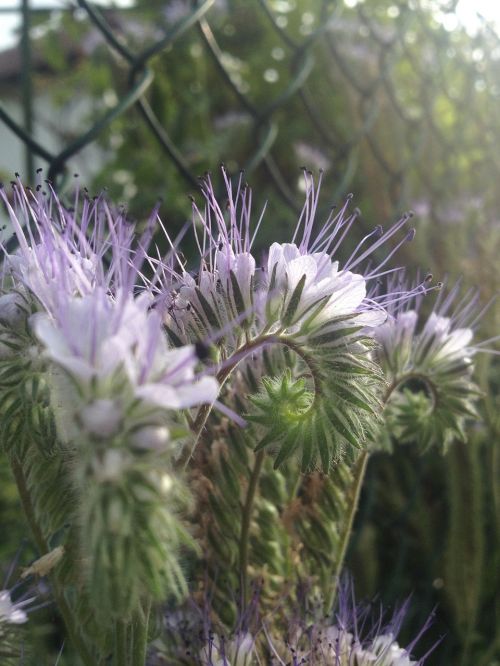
(468, 13)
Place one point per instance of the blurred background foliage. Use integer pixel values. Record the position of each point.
(394, 101)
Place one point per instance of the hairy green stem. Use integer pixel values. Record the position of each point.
(27, 504)
(140, 627)
(200, 420)
(120, 655)
(43, 547)
(355, 492)
(398, 381)
(359, 476)
(245, 525)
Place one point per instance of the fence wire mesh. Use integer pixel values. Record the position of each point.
(382, 94)
(395, 101)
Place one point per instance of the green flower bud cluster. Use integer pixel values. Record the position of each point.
(25, 416)
(428, 364)
(330, 416)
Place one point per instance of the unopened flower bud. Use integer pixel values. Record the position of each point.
(12, 310)
(151, 437)
(6, 351)
(101, 418)
(111, 466)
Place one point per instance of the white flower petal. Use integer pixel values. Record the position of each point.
(297, 268)
(179, 397)
(371, 318)
(456, 342)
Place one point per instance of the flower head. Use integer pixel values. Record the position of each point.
(428, 361)
(296, 281)
(354, 635)
(12, 612)
(69, 252)
(441, 342)
(81, 267)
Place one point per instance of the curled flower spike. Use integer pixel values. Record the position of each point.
(296, 307)
(429, 363)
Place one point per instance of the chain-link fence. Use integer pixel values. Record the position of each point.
(382, 94)
(395, 101)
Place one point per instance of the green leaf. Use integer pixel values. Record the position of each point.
(174, 338)
(342, 426)
(356, 397)
(239, 301)
(288, 447)
(294, 302)
(335, 336)
(308, 439)
(208, 310)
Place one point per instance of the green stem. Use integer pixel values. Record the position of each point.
(359, 476)
(398, 381)
(355, 493)
(29, 511)
(232, 362)
(200, 420)
(245, 525)
(140, 628)
(197, 427)
(120, 655)
(43, 547)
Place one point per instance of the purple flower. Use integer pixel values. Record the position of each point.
(428, 362)
(12, 612)
(298, 286)
(440, 342)
(65, 252)
(356, 634)
(338, 293)
(80, 269)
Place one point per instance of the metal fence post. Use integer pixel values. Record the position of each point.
(27, 88)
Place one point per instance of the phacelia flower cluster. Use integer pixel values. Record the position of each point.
(83, 337)
(357, 634)
(255, 311)
(428, 362)
(112, 357)
(295, 288)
